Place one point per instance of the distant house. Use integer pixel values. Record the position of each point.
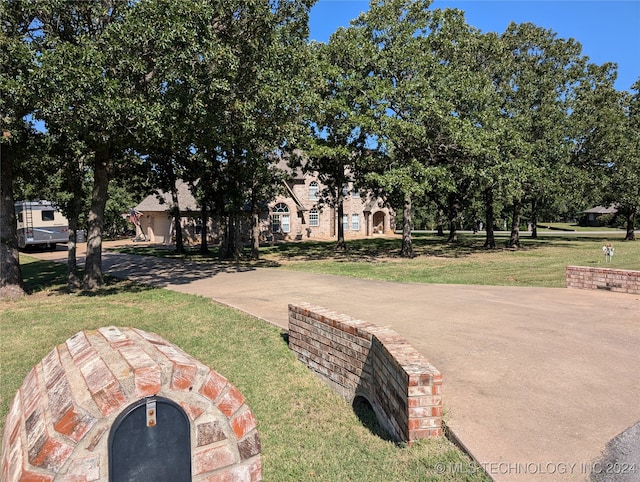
(299, 214)
(293, 215)
(156, 220)
(591, 217)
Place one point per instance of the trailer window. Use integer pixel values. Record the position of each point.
(47, 215)
(20, 217)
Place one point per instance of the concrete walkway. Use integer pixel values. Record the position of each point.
(537, 381)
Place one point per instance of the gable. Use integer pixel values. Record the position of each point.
(162, 201)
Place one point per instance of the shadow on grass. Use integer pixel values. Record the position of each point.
(363, 410)
(115, 286)
(50, 276)
(360, 250)
(42, 275)
(196, 256)
(372, 249)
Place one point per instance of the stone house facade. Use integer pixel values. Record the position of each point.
(300, 214)
(295, 214)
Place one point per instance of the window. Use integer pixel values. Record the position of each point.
(355, 222)
(355, 193)
(345, 222)
(314, 217)
(280, 220)
(47, 215)
(313, 191)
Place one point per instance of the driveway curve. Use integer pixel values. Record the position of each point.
(537, 381)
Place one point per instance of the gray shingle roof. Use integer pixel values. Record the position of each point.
(601, 210)
(153, 202)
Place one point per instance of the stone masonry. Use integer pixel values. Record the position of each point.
(360, 359)
(58, 424)
(618, 280)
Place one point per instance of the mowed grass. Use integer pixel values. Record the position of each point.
(538, 262)
(308, 432)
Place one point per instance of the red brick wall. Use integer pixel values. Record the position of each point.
(59, 421)
(357, 358)
(619, 280)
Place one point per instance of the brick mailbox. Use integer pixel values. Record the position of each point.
(151, 440)
(121, 404)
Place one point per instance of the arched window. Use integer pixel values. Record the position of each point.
(280, 219)
(313, 191)
(314, 217)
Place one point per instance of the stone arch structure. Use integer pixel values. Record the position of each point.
(360, 359)
(59, 423)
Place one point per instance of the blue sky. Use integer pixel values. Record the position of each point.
(609, 30)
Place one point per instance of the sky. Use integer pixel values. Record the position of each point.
(609, 30)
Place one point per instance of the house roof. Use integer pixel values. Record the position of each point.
(295, 173)
(162, 201)
(299, 205)
(601, 210)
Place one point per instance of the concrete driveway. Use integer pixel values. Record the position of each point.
(537, 381)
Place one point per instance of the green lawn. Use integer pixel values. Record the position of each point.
(538, 262)
(308, 432)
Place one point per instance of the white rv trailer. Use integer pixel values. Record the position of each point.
(39, 223)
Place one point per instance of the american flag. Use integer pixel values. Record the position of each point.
(134, 216)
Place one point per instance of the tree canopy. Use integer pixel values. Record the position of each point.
(409, 102)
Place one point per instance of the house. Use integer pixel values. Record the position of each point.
(591, 217)
(155, 221)
(299, 214)
(295, 214)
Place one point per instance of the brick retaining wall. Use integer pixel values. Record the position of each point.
(619, 280)
(58, 424)
(360, 359)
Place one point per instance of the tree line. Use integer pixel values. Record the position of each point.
(409, 102)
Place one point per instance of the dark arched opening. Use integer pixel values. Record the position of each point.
(364, 411)
(150, 440)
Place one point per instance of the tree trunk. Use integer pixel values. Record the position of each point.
(177, 220)
(490, 240)
(204, 232)
(453, 211)
(631, 218)
(341, 245)
(93, 261)
(534, 218)
(75, 207)
(230, 248)
(407, 247)
(236, 239)
(255, 231)
(440, 227)
(514, 240)
(224, 243)
(11, 283)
